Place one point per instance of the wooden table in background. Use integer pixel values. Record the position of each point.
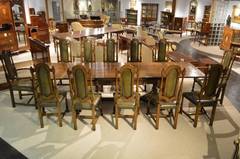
(201, 63)
(88, 32)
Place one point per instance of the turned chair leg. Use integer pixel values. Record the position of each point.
(59, 114)
(213, 114)
(198, 109)
(116, 116)
(66, 102)
(40, 115)
(135, 118)
(157, 116)
(176, 118)
(74, 118)
(20, 94)
(12, 98)
(181, 106)
(93, 119)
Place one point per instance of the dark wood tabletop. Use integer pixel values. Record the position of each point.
(180, 57)
(106, 71)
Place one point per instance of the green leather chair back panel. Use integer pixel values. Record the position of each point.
(88, 49)
(161, 57)
(171, 82)
(44, 80)
(64, 52)
(110, 50)
(9, 65)
(134, 51)
(126, 83)
(80, 83)
(227, 60)
(214, 76)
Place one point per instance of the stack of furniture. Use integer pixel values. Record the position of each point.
(131, 15)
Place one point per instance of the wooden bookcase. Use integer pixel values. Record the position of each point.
(166, 19)
(131, 15)
(8, 38)
(13, 28)
(149, 12)
(206, 15)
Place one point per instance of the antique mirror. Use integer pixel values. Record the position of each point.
(20, 23)
(192, 10)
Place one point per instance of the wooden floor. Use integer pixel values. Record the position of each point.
(233, 86)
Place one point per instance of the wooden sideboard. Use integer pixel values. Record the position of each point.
(91, 23)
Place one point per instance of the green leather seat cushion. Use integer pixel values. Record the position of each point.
(87, 104)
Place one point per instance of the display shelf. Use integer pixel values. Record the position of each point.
(149, 12)
(131, 15)
(206, 15)
(166, 19)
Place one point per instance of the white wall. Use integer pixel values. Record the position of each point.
(125, 4)
(182, 8)
(201, 7)
(38, 5)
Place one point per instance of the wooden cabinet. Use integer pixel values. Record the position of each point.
(131, 15)
(39, 28)
(8, 39)
(149, 12)
(207, 12)
(166, 19)
(229, 36)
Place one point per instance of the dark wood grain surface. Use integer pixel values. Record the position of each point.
(102, 70)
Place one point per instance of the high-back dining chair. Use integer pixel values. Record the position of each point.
(125, 96)
(160, 51)
(135, 51)
(62, 48)
(88, 50)
(75, 48)
(82, 95)
(208, 95)
(46, 92)
(110, 51)
(227, 62)
(169, 95)
(15, 82)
